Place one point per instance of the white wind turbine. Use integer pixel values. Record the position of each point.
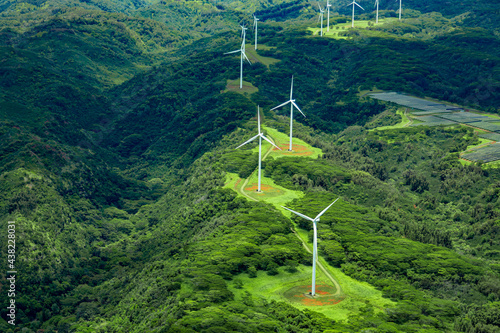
(260, 136)
(400, 10)
(315, 241)
(321, 11)
(354, 3)
(255, 19)
(328, 5)
(292, 104)
(376, 4)
(243, 55)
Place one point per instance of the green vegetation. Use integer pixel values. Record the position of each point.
(134, 212)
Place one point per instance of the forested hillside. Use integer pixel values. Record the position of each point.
(133, 211)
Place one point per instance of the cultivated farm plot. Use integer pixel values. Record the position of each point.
(432, 121)
(465, 117)
(490, 136)
(426, 113)
(486, 154)
(488, 125)
(413, 102)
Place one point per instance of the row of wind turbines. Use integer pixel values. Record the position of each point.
(260, 135)
(353, 3)
(320, 18)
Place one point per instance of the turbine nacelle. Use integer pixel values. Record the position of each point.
(355, 3)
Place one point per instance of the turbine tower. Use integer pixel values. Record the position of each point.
(321, 11)
(260, 136)
(292, 104)
(242, 55)
(376, 4)
(315, 241)
(354, 3)
(400, 10)
(328, 5)
(255, 19)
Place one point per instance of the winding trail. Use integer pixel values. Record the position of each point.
(304, 244)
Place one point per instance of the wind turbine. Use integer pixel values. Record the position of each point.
(328, 5)
(400, 10)
(260, 136)
(354, 3)
(292, 104)
(321, 11)
(315, 241)
(255, 19)
(243, 55)
(376, 4)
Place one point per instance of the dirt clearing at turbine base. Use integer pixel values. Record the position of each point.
(267, 190)
(324, 295)
(297, 150)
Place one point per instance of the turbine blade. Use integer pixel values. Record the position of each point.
(258, 118)
(233, 52)
(324, 210)
(281, 105)
(291, 89)
(243, 52)
(244, 143)
(350, 4)
(299, 214)
(359, 5)
(298, 108)
(263, 137)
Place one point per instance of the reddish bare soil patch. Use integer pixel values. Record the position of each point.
(255, 187)
(324, 295)
(297, 150)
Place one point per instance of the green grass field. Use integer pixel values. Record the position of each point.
(282, 140)
(234, 85)
(271, 192)
(255, 57)
(335, 29)
(481, 142)
(354, 294)
(404, 121)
